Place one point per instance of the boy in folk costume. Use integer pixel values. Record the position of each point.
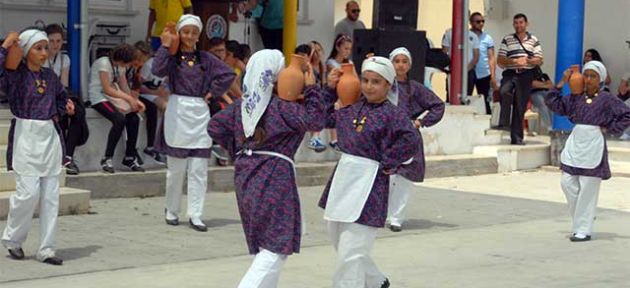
(37, 99)
(584, 159)
(194, 76)
(376, 138)
(415, 100)
(262, 133)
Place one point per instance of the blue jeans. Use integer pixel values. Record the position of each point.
(546, 116)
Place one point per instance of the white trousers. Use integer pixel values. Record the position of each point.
(265, 270)
(197, 171)
(581, 193)
(29, 191)
(399, 191)
(355, 268)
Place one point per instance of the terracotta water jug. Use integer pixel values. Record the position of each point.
(14, 56)
(291, 79)
(576, 80)
(170, 27)
(349, 86)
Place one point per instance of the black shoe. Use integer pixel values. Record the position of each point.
(395, 228)
(502, 128)
(200, 228)
(140, 161)
(518, 142)
(132, 163)
(576, 239)
(71, 166)
(173, 222)
(155, 155)
(108, 165)
(53, 261)
(385, 284)
(16, 253)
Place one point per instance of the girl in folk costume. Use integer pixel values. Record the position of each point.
(415, 100)
(584, 159)
(262, 133)
(37, 99)
(376, 140)
(193, 77)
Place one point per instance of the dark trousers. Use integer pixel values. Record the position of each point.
(72, 127)
(120, 122)
(483, 88)
(515, 89)
(151, 115)
(271, 38)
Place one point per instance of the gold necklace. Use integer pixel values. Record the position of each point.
(589, 100)
(190, 61)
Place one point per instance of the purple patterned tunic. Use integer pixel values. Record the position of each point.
(266, 190)
(209, 75)
(387, 137)
(415, 99)
(24, 100)
(606, 111)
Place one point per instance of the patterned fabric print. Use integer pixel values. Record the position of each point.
(26, 102)
(387, 137)
(415, 99)
(266, 191)
(606, 111)
(210, 75)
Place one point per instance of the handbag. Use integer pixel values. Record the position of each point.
(536, 70)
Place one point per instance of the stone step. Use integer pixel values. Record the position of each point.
(617, 169)
(221, 179)
(72, 201)
(7, 180)
(4, 133)
(515, 157)
(618, 153)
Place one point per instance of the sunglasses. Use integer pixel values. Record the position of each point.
(480, 21)
(355, 11)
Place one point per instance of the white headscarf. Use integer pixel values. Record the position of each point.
(400, 51)
(385, 68)
(29, 37)
(189, 19)
(598, 67)
(261, 73)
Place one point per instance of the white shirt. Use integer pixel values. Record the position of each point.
(147, 76)
(95, 90)
(473, 42)
(58, 63)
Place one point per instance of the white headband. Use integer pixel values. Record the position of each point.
(29, 37)
(598, 67)
(380, 65)
(189, 19)
(400, 51)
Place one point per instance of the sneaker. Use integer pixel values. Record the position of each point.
(316, 144)
(107, 165)
(132, 163)
(158, 157)
(138, 158)
(71, 166)
(335, 146)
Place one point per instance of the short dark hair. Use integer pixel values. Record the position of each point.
(520, 15)
(244, 51)
(54, 29)
(216, 41)
(124, 53)
(473, 16)
(232, 46)
(303, 48)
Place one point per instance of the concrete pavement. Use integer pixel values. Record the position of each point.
(480, 231)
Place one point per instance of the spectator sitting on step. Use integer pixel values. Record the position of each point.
(217, 47)
(540, 87)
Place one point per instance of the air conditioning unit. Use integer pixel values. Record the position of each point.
(496, 9)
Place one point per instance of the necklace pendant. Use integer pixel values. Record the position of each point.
(191, 63)
(589, 100)
(359, 128)
(41, 90)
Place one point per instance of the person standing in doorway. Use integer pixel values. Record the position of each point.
(486, 66)
(520, 54)
(347, 25)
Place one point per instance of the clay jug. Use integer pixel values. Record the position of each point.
(14, 56)
(576, 80)
(291, 79)
(349, 86)
(170, 27)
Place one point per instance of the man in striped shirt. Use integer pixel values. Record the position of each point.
(519, 54)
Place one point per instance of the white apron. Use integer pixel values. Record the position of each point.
(186, 123)
(249, 152)
(584, 147)
(37, 150)
(350, 188)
